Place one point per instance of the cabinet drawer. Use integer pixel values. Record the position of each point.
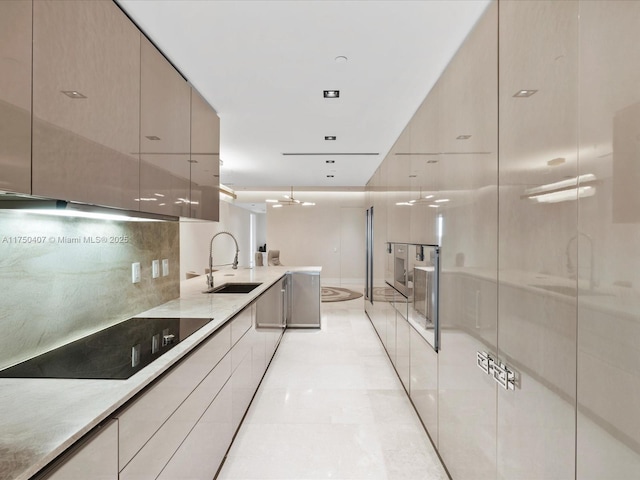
(98, 455)
(147, 413)
(156, 453)
(86, 149)
(403, 351)
(201, 454)
(242, 385)
(241, 323)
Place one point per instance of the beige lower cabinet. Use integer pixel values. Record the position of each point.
(161, 450)
(271, 316)
(390, 339)
(424, 382)
(143, 417)
(258, 356)
(403, 354)
(377, 313)
(190, 443)
(415, 360)
(98, 454)
(242, 382)
(201, 453)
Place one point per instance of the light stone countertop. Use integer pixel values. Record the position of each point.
(41, 418)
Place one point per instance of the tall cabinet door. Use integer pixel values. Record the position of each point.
(608, 248)
(467, 219)
(537, 326)
(205, 160)
(15, 96)
(165, 144)
(86, 103)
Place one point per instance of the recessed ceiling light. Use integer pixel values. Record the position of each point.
(308, 204)
(329, 161)
(428, 197)
(277, 205)
(556, 161)
(524, 93)
(73, 94)
(331, 93)
(442, 200)
(330, 137)
(341, 59)
(269, 200)
(330, 176)
(434, 206)
(463, 137)
(152, 137)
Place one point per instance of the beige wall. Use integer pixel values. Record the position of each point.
(330, 234)
(195, 238)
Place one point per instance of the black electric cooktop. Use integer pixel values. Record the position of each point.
(116, 352)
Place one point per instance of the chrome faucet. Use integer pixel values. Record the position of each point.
(234, 265)
(574, 269)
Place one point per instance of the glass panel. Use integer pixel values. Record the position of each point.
(537, 327)
(86, 99)
(15, 96)
(607, 260)
(463, 182)
(205, 160)
(165, 144)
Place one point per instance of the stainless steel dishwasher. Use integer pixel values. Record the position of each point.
(304, 300)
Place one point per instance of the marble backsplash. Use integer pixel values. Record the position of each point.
(63, 278)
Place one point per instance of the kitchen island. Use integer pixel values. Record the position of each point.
(43, 418)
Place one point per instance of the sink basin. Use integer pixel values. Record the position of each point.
(568, 290)
(235, 288)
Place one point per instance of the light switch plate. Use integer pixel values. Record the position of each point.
(165, 267)
(135, 272)
(155, 268)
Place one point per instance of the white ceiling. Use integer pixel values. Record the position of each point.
(263, 66)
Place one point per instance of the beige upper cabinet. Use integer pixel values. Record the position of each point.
(15, 96)
(165, 144)
(86, 91)
(205, 159)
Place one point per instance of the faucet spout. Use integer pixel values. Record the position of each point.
(234, 265)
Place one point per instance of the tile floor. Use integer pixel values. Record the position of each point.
(331, 406)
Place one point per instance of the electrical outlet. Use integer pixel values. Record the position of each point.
(155, 268)
(165, 267)
(135, 272)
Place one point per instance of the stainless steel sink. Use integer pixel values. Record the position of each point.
(569, 290)
(235, 288)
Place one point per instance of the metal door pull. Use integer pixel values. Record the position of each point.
(501, 373)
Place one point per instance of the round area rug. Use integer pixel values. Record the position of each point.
(337, 294)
